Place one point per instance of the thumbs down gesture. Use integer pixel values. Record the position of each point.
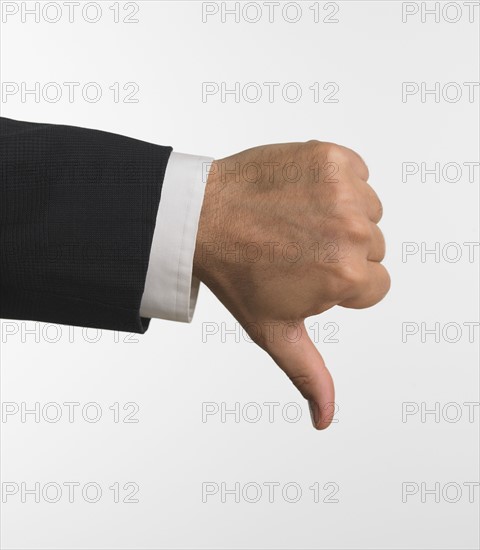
(288, 231)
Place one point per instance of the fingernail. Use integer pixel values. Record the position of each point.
(313, 412)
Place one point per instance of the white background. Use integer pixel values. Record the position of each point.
(370, 452)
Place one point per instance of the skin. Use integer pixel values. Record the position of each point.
(288, 231)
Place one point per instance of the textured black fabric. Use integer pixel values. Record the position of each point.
(77, 215)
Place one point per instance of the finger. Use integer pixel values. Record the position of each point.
(373, 205)
(343, 156)
(358, 164)
(376, 284)
(376, 247)
(304, 365)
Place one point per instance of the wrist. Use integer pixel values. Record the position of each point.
(206, 235)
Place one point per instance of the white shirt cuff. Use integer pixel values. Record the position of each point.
(171, 290)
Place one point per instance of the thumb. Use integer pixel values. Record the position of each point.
(298, 357)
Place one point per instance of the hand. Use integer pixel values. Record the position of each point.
(288, 231)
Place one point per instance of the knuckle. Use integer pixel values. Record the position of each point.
(303, 382)
(315, 148)
(363, 168)
(341, 193)
(337, 153)
(379, 211)
(350, 277)
(345, 200)
(386, 281)
(358, 231)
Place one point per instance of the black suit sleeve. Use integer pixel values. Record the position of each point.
(77, 215)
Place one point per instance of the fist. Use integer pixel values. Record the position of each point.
(288, 231)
